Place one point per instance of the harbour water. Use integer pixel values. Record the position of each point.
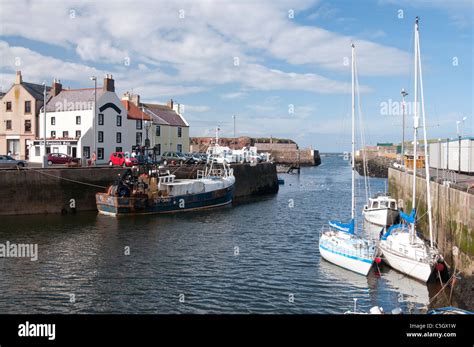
(260, 256)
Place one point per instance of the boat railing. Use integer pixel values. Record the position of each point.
(361, 252)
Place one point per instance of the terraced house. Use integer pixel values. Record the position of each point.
(19, 115)
(73, 128)
(165, 127)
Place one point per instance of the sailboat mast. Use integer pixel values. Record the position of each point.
(425, 140)
(353, 134)
(415, 129)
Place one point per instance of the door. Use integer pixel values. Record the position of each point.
(13, 148)
(74, 152)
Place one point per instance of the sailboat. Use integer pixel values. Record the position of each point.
(403, 249)
(338, 242)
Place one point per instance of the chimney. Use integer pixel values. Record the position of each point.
(18, 78)
(56, 87)
(136, 99)
(170, 104)
(133, 98)
(109, 85)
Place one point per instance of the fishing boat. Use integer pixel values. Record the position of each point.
(158, 191)
(338, 242)
(382, 210)
(402, 247)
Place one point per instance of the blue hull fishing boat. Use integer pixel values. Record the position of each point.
(160, 192)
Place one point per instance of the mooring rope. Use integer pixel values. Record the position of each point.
(67, 179)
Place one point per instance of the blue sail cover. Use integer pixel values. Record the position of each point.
(345, 227)
(392, 228)
(409, 218)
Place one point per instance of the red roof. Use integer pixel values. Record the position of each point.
(134, 112)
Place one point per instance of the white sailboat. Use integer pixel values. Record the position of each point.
(338, 242)
(403, 249)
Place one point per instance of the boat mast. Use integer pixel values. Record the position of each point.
(415, 131)
(353, 134)
(427, 166)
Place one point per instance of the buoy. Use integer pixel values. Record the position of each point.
(378, 260)
(440, 267)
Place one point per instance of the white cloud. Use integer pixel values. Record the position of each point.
(38, 68)
(196, 108)
(198, 51)
(235, 95)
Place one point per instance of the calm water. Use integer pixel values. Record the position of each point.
(246, 259)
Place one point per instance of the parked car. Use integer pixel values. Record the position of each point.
(193, 158)
(7, 161)
(121, 159)
(59, 158)
(177, 157)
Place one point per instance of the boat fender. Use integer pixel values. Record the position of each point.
(376, 310)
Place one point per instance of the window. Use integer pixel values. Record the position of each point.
(118, 149)
(139, 124)
(119, 120)
(158, 131)
(53, 120)
(101, 119)
(78, 120)
(65, 134)
(9, 105)
(118, 138)
(48, 149)
(180, 148)
(27, 106)
(158, 149)
(86, 152)
(53, 134)
(100, 153)
(100, 136)
(27, 126)
(78, 134)
(37, 151)
(138, 139)
(8, 125)
(180, 131)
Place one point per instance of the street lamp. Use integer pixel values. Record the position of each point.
(44, 165)
(404, 94)
(460, 135)
(94, 78)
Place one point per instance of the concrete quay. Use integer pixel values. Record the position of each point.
(71, 190)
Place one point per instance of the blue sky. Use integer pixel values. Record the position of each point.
(257, 60)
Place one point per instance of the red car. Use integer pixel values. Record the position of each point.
(59, 158)
(119, 158)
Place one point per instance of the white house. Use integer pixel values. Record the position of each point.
(165, 127)
(70, 124)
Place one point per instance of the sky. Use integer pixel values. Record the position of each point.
(281, 67)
